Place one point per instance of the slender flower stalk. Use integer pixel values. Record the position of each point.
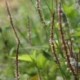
(42, 19)
(63, 39)
(52, 39)
(52, 44)
(17, 38)
(40, 12)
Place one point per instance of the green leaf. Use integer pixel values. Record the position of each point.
(41, 60)
(24, 57)
(47, 55)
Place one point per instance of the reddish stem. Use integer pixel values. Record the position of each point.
(63, 39)
(52, 39)
(17, 38)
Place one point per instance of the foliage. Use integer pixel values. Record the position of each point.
(36, 60)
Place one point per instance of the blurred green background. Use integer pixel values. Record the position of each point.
(35, 56)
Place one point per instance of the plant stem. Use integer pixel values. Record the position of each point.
(17, 38)
(52, 39)
(40, 12)
(63, 39)
(42, 19)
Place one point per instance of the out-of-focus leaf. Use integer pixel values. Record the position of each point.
(25, 57)
(41, 60)
(35, 77)
(47, 55)
(34, 54)
(77, 34)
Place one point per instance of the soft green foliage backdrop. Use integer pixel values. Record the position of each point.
(35, 56)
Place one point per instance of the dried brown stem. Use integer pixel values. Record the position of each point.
(40, 12)
(39, 9)
(52, 44)
(63, 39)
(52, 39)
(17, 38)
